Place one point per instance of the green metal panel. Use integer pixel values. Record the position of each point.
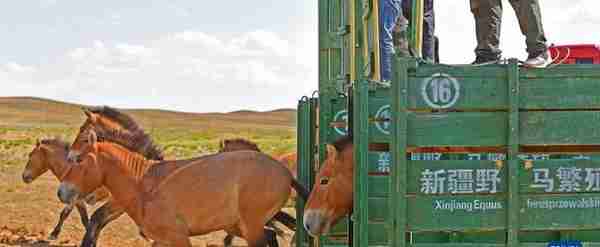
(303, 164)
(500, 106)
(361, 148)
(513, 150)
(398, 203)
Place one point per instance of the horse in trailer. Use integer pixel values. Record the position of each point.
(332, 196)
(168, 208)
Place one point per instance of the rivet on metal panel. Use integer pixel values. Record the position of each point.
(403, 90)
(528, 164)
(499, 164)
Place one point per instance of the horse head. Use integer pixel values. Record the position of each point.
(331, 197)
(41, 156)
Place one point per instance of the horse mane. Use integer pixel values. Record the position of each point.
(111, 113)
(342, 143)
(243, 142)
(137, 143)
(56, 142)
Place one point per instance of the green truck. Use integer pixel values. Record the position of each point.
(450, 155)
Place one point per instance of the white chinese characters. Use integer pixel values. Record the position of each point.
(460, 181)
(570, 179)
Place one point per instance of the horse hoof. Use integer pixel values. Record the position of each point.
(53, 237)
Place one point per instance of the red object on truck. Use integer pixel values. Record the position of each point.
(575, 54)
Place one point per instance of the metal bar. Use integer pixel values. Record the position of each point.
(376, 48)
(361, 169)
(303, 167)
(416, 27)
(313, 150)
(399, 175)
(513, 150)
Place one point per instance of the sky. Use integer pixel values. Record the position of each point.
(211, 56)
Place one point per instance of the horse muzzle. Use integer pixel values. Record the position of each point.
(67, 193)
(27, 177)
(315, 223)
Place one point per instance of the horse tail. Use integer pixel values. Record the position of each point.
(300, 190)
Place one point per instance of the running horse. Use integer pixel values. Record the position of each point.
(108, 122)
(51, 154)
(332, 195)
(105, 119)
(169, 208)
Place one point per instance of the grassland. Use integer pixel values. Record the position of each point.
(30, 211)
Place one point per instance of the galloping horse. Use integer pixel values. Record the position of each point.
(106, 119)
(51, 154)
(131, 136)
(332, 194)
(169, 208)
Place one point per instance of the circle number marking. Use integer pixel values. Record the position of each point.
(440, 91)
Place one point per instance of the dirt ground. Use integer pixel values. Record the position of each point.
(29, 212)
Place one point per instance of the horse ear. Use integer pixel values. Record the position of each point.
(331, 151)
(37, 142)
(90, 115)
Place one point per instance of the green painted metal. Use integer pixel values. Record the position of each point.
(488, 199)
(361, 149)
(304, 164)
(399, 143)
(513, 150)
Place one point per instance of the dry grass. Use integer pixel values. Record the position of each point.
(29, 212)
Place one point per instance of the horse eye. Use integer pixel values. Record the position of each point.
(324, 181)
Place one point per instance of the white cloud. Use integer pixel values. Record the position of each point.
(188, 70)
(17, 68)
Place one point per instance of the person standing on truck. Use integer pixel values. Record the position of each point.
(401, 31)
(389, 13)
(393, 31)
(488, 19)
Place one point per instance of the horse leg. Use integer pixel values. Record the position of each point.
(64, 214)
(271, 237)
(228, 240)
(82, 209)
(101, 217)
(256, 237)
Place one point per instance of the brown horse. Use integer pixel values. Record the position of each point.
(51, 154)
(170, 208)
(105, 120)
(332, 194)
(132, 136)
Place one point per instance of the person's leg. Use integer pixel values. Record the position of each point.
(401, 42)
(488, 21)
(530, 21)
(389, 12)
(429, 31)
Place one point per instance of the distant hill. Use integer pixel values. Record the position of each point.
(38, 112)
